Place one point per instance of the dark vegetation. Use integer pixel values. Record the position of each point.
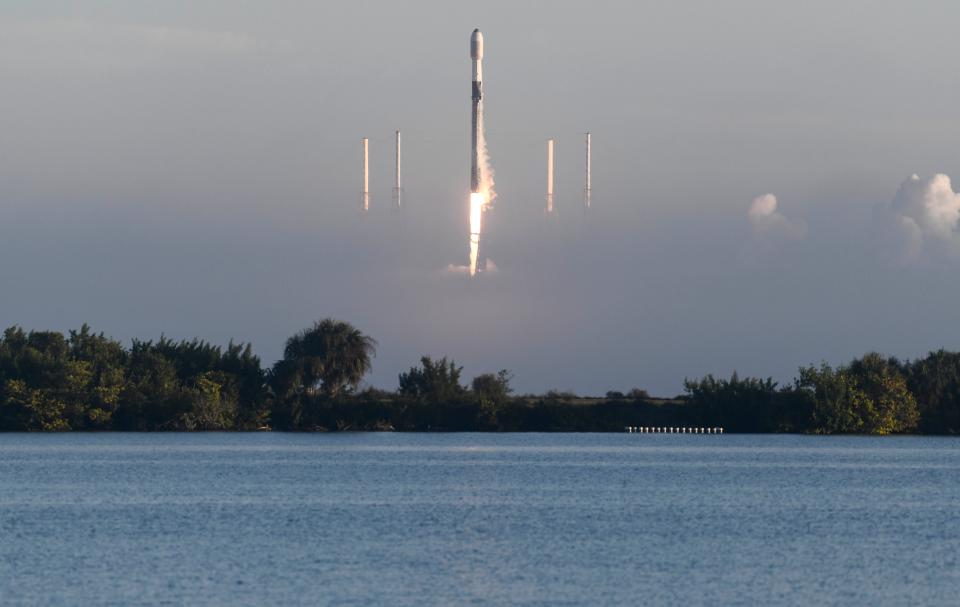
(86, 381)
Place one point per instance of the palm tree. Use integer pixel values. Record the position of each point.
(331, 354)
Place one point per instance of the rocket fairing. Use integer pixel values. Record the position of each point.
(476, 53)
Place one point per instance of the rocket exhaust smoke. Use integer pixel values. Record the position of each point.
(481, 175)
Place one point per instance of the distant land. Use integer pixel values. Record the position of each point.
(86, 381)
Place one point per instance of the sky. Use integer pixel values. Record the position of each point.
(771, 181)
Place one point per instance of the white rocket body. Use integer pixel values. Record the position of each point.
(476, 53)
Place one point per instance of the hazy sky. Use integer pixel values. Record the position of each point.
(192, 168)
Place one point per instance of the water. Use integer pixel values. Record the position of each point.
(441, 519)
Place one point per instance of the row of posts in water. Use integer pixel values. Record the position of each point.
(671, 430)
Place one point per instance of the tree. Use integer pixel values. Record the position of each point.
(435, 382)
(32, 408)
(492, 392)
(42, 388)
(210, 406)
(893, 408)
(869, 396)
(331, 355)
(839, 406)
(493, 388)
(935, 382)
(739, 405)
(243, 368)
(151, 397)
(97, 374)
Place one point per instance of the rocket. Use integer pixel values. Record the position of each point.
(476, 53)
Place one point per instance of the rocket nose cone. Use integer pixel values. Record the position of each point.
(476, 44)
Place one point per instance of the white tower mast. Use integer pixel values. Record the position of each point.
(365, 193)
(396, 183)
(550, 208)
(588, 187)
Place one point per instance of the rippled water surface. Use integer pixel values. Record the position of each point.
(441, 519)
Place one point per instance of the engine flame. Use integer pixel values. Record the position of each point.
(477, 204)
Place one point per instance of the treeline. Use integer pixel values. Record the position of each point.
(87, 381)
(872, 394)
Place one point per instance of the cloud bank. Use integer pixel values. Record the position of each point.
(922, 218)
(90, 45)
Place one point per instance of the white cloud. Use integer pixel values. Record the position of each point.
(769, 224)
(923, 215)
